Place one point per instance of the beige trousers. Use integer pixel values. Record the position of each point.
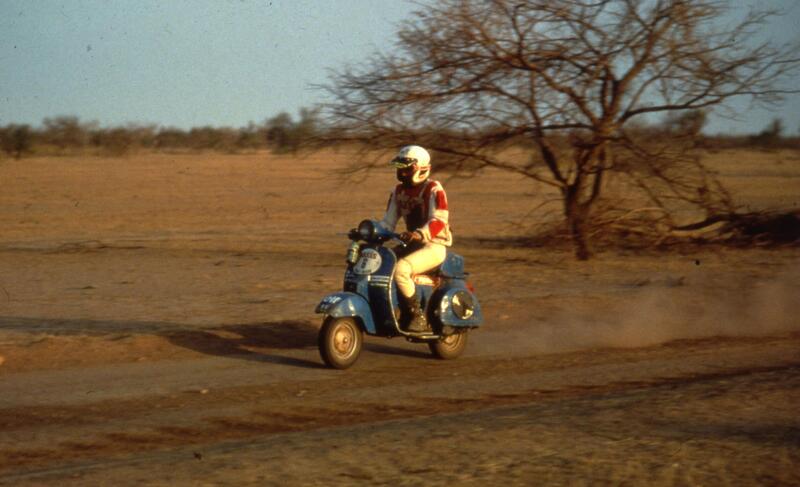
(424, 259)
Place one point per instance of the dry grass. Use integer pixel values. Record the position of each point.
(251, 198)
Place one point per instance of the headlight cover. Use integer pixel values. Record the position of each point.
(463, 305)
(366, 229)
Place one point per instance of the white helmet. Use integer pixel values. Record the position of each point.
(416, 157)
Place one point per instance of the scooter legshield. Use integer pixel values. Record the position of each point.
(347, 304)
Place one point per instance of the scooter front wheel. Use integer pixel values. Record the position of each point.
(449, 347)
(340, 341)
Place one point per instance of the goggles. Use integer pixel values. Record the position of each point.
(403, 162)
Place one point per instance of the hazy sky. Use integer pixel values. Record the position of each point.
(203, 62)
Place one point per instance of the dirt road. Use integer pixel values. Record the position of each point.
(715, 411)
(618, 375)
(157, 328)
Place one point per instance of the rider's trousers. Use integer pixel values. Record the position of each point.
(424, 259)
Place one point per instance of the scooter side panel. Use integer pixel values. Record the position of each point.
(381, 298)
(453, 266)
(346, 304)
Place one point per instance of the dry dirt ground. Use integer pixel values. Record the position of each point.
(157, 328)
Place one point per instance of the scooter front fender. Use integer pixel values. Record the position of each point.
(346, 304)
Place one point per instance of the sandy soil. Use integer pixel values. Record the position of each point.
(157, 328)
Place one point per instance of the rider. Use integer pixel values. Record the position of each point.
(422, 203)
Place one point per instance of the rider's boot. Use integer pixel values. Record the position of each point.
(412, 316)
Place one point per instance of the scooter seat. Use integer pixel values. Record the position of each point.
(427, 279)
(453, 266)
(431, 272)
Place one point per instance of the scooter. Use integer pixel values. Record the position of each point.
(368, 302)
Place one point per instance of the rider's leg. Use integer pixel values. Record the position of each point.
(424, 259)
(420, 261)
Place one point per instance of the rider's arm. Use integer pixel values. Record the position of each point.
(390, 218)
(437, 214)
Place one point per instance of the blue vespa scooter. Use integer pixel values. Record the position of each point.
(368, 302)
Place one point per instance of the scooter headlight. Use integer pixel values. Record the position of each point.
(366, 229)
(463, 305)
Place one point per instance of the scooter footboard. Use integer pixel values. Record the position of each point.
(346, 304)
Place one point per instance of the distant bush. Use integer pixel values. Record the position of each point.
(16, 140)
(211, 138)
(66, 133)
(770, 138)
(286, 135)
(171, 138)
(118, 141)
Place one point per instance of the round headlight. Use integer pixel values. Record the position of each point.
(463, 305)
(366, 229)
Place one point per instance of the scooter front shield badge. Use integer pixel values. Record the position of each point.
(368, 262)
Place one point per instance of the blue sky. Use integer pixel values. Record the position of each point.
(202, 62)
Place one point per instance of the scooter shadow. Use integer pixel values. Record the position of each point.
(389, 350)
(247, 341)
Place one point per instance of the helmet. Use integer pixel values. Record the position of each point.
(412, 156)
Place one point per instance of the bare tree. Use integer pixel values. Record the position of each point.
(570, 77)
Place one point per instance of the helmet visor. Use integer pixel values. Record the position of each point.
(403, 162)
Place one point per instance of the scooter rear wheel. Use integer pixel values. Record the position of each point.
(340, 341)
(449, 347)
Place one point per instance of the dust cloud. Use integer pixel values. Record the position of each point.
(659, 312)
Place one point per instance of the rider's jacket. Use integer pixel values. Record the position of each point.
(424, 209)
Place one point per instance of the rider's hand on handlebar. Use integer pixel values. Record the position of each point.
(409, 237)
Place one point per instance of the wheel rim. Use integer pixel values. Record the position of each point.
(451, 341)
(344, 340)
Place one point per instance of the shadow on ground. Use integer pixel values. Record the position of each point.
(252, 341)
(249, 341)
(390, 350)
(260, 342)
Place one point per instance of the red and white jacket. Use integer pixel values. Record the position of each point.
(424, 209)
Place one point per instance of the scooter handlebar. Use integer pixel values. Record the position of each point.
(354, 235)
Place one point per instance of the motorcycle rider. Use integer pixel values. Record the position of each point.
(422, 203)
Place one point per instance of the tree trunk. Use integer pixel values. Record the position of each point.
(577, 228)
(577, 216)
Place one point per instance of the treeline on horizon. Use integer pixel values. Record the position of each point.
(68, 135)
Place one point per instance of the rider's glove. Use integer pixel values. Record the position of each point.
(409, 237)
(353, 234)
